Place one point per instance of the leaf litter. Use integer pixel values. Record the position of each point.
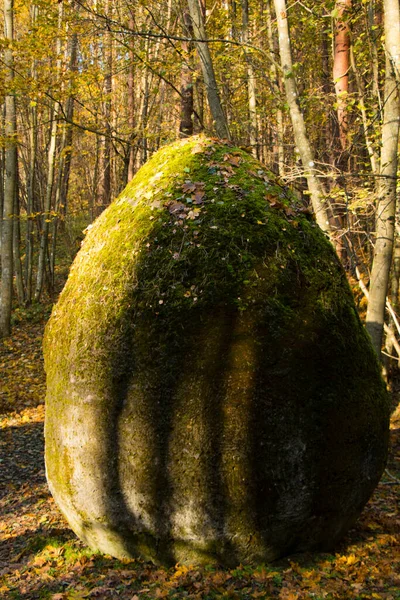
(40, 557)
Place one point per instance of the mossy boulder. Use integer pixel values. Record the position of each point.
(212, 395)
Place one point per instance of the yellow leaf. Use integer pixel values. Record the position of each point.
(351, 560)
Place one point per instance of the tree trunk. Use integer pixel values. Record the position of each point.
(31, 179)
(186, 120)
(341, 67)
(50, 176)
(386, 193)
(64, 165)
(279, 153)
(19, 280)
(373, 156)
(10, 175)
(251, 82)
(299, 129)
(106, 166)
(217, 112)
(131, 106)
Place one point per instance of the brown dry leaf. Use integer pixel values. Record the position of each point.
(219, 578)
(198, 197)
(264, 575)
(39, 561)
(288, 211)
(288, 595)
(189, 186)
(176, 207)
(99, 590)
(276, 204)
(232, 159)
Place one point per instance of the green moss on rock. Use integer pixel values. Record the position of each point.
(212, 395)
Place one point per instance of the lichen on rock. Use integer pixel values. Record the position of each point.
(212, 395)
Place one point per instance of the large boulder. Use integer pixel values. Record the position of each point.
(212, 395)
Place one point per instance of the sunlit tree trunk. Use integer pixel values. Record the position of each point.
(19, 280)
(279, 135)
(64, 165)
(375, 19)
(394, 293)
(341, 67)
(186, 117)
(131, 103)
(31, 177)
(46, 219)
(10, 175)
(106, 166)
(199, 31)
(251, 82)
(386, 189)
(299, 129)
(373, 156)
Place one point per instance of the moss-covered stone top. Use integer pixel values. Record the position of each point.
(202, 224)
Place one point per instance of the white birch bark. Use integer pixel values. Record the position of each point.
(217, 112)
(251, 82)
(386, 193)
(46, 219)
(10, 176)
(296, 116)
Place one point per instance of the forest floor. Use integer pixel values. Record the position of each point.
(41, 558)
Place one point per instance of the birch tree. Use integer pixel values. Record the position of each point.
(10, 175)
(296, 116)
(186, 115)
(251, 82)
(386, 188)
(214, 101)
(51, 157)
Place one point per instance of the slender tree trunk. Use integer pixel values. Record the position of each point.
(331, 130)
(43, 250)
(394, 294)
(373, 156)
(19, 280)
(299, 129)
(10, 175)
(187, 103)
(2, 161)
(374, 18)
(145, 112)
(199, 31)
(341, 67)
(251, 82)
(64, 165)
(106, 168)
(279, 152)
(31, 180)
(386, 193)
(131, 106)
